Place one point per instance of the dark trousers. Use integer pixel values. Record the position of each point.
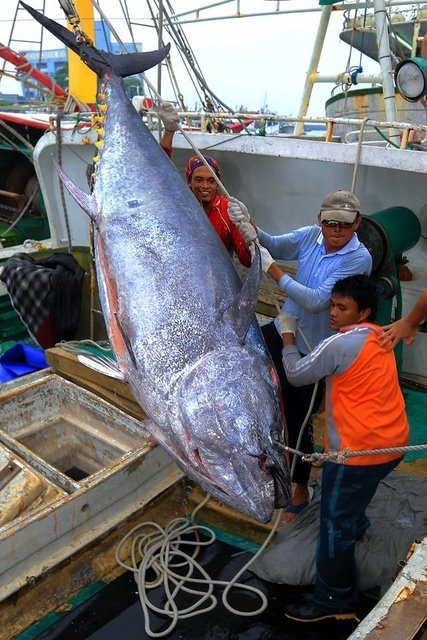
(346, 492)
(296, 402)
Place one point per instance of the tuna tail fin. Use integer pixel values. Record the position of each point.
(99, 61)
(241, 312)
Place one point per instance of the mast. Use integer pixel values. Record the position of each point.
(82, 81)
(384, 59)
(312, 69)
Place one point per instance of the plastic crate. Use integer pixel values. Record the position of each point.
(11, 325)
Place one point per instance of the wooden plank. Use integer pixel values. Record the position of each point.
(405, 616)
(114, 391)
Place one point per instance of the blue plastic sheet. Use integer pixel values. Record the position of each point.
(21, 359)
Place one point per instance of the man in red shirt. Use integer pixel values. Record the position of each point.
(205, 188)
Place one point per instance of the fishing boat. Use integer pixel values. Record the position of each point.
(376, 152)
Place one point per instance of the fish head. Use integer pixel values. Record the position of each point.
(234, 434)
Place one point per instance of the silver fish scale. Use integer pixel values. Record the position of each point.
(212, 398)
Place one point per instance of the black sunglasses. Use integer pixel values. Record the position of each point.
(337, 223)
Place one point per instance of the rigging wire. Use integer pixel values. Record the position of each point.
(18, 136)
(211, 100)
(181, 43)
(22, 212)
(178, 94)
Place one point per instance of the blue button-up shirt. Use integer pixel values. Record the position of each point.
(309, 293)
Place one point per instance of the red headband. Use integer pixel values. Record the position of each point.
(194, 163)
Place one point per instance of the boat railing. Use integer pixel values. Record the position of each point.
(406, 129)
(206, 122)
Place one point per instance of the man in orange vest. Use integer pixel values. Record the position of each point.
(365, 410)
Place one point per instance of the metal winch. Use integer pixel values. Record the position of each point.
(387, 234)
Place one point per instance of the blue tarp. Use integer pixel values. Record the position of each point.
(21, 359)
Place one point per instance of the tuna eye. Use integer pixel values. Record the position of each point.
(276, 433)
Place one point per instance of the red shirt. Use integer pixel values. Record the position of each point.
(227, 230)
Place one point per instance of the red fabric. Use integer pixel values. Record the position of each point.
(195, 162)
(227, 230)
(46, 334)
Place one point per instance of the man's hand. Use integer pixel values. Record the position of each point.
(400, 330)
(286, 323)
(237, 211)
(169, 116)
(248, 231)
(266, 259)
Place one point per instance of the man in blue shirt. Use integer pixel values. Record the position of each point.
(326, 252)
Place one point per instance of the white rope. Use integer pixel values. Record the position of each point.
(161, 551)
(340, 456)
(358, 154)
(78, 346)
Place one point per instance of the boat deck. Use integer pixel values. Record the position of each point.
(106, 614)
(109, 607)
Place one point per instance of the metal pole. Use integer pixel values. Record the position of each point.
(160, 44)
(345, 78)
(312, 69)
(415, 38)
(384, 58)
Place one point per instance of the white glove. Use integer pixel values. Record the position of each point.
(169, 116)
(286, 323)
(237, 211)
(248, 231)
(266, 259)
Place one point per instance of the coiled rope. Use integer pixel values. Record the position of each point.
(160, 550)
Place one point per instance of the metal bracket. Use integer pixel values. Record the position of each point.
(7, 473)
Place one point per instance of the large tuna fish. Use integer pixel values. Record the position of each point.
(181, 325)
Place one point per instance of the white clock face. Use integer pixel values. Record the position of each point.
(410, 81)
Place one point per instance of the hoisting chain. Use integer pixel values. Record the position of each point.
(74, 20)
(341, 456)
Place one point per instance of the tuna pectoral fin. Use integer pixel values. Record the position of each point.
(241, 312)
(102, 365)
(83, 199)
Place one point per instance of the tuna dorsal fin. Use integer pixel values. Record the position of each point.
(97, 60)
(83, 199)
(240, 313)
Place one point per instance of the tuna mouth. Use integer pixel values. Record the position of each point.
(282, 492)
(281, 482)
